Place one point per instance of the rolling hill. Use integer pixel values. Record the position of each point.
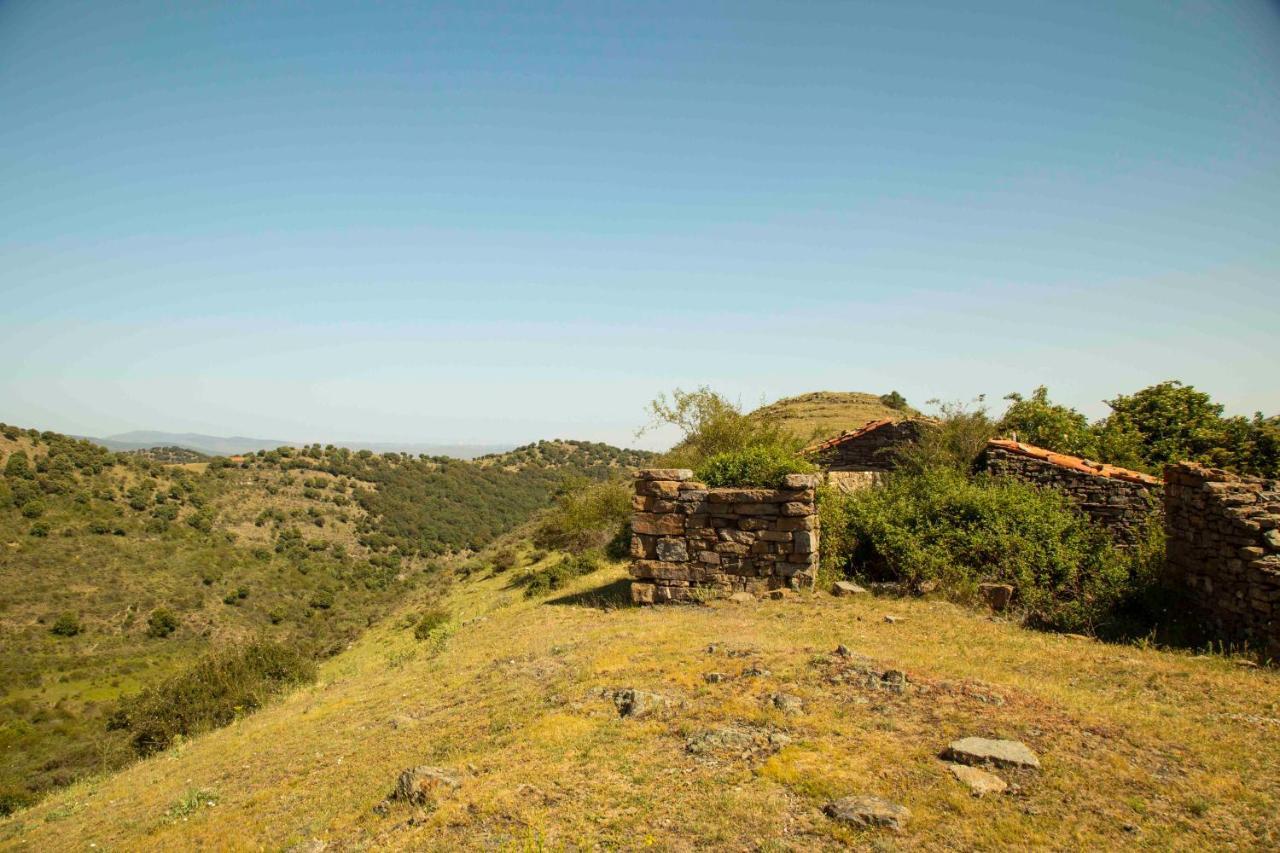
(824, 414)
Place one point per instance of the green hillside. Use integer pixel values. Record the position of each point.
(118, 571)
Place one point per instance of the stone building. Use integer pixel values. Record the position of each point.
(689, 541)
(1120, 500)
(1223, 550)
(859, 458)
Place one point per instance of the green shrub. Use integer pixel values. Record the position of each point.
(761, 465)
(429, 621)
(710, 425)
(67, 625)
(559, 574)
(505, 559)
(13, 798)
(221, 686)
(32, 509)
(161, 623)
(942, 526)
(40, 529)
(955, 439)
(584, 516)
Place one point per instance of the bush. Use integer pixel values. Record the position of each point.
(161, 623)
(585, 516)
(67, 625)
(505, 559)
(1046, 424)
(709, 425)
(223, 685)
(556, 576)
(761, 465)
(40, 529)
(430, 621)
(955, 440)
(942, 526)
(32, 509)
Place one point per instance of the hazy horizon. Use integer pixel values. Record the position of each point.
(490, 224)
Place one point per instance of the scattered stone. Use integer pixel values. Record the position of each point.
(422, 786)
(637, 704)
(841, 589)
(714, 677)
(843, 651)
(893, 680)
(997, 595)
(778, 740)
(742, 597)
(721, 740)
(1246, 663)
(980, 782)
(780, 594)
(1000, 753)
(926, 587)
(756, 671)
(893, 620)
(869, 811)
(401, 721)
(787, 703)
(1272, 538)
(886, 588)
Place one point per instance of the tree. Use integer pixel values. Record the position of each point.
(894, 400)
(1173, 422)
(1046, 424)
(66, 626)
(18, 467)
(710, 424)
(162, 623)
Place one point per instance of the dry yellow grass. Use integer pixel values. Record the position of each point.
(1140, 747)
(823, 414)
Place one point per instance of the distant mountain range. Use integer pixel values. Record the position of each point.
(216, 445)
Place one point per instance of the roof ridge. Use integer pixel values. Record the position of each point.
(1074, 463)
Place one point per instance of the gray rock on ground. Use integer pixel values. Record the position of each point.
(422, 785)
(742, 597)
(997, 595)
(840, 589)
(787, 703)
(999, 753)
(980, 782)
(637, 704)
(869, 812)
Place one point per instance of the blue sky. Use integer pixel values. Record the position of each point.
(490, 222)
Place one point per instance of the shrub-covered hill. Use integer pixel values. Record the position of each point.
(118, 571)
(762, 721)
(823, 414)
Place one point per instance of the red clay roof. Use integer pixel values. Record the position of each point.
(848, 435)
(1074, 463)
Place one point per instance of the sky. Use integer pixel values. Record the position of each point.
(496, 222)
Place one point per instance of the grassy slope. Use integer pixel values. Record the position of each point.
(823, 414)
(1139, 746)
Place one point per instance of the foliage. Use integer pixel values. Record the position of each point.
(161, 623)
(430, 620)
(584, 516)
(709, 425)
(758, 465)
(66, 625)
(895, 401)
(559, 574)
(940, 525)
(1039, 421)
(223, 685)
(954, 440)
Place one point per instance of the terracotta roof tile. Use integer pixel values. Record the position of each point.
(1074, 463)
(848, 435)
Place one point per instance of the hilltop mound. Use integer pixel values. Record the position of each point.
(823, 414)
(747, 722)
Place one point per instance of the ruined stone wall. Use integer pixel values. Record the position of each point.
(872, 450)
(1123, 507)
(1224, 549)
(690, 541)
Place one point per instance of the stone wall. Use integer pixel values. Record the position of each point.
(870, 448)
(1119, 500)
(1224, 550)
(689, 541)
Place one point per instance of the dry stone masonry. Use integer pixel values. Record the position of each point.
(1223, 548)
(689, 541)
(1120, 500)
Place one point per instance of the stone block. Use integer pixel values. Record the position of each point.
(664, 474)
(672, 550)
(796, 508)
(643, 593)
(757, 509)
(658, 488)
(805, 541)
(659, 525)
(801, 481)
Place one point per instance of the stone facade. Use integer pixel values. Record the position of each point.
(689, 541)
(868, 448)
(1119, 500)
(1223, 548)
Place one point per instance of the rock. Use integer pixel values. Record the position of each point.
(401, 721)
(720, 740)
(778, 740)
(843, 651)
(714, 677)
(637, 704)
(1000, 753)
(742, 597)
(755, 671)
(997, 595)
(926, 587)
(869, 811)
(643, 593)
(678, 474)
(980, 782)
(893, 620)
(1272, 538)
(421, 786)
(787, 703)
(841, 589)
(780, 593)
(672, 550)
(886, 588)
(800, 481)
